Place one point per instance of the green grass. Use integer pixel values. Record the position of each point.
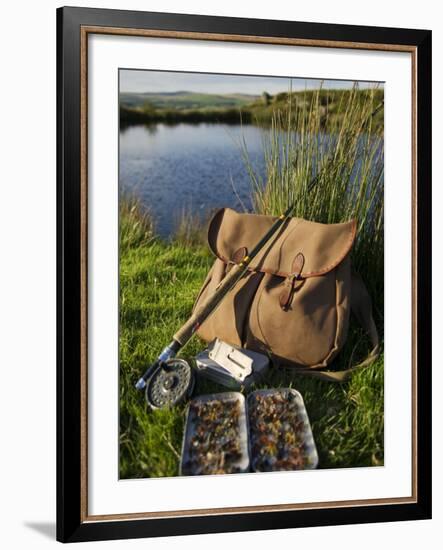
(158, 285)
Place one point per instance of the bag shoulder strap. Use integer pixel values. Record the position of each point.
(361, 307)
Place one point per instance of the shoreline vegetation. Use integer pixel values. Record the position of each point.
(159, 281)
(331, 179)
(235, 109)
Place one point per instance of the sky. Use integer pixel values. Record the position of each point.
(165, 81)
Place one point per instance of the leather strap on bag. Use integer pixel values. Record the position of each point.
(362, 308)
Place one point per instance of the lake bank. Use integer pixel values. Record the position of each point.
(260, 111)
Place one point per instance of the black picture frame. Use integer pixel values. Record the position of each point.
(71, 522)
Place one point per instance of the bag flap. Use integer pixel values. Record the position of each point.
(323, 246)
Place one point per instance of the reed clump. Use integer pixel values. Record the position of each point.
(331, 166)
(190, 228)
(136, 226)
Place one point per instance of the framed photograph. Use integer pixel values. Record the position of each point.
(244, 274)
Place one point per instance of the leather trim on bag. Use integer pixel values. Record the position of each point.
(228, 237)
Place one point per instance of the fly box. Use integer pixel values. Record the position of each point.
(215, 437)
(230, 366)
(280, 435)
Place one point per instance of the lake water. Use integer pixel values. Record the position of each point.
(188, 168)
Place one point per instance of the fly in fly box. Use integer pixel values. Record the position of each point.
(216, 436)
(280, 435)
(230, 366)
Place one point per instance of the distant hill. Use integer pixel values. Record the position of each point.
(184, 100)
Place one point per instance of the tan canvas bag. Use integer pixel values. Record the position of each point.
(294, 302)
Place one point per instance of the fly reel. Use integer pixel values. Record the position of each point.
(172, 382)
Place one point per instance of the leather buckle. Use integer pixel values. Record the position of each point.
(290, 284)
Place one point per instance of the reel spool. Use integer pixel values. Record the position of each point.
(172, 382)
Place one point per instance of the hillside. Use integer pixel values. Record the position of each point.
(182, 100)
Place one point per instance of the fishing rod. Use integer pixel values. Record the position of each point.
(175, 380)
(185, 333)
